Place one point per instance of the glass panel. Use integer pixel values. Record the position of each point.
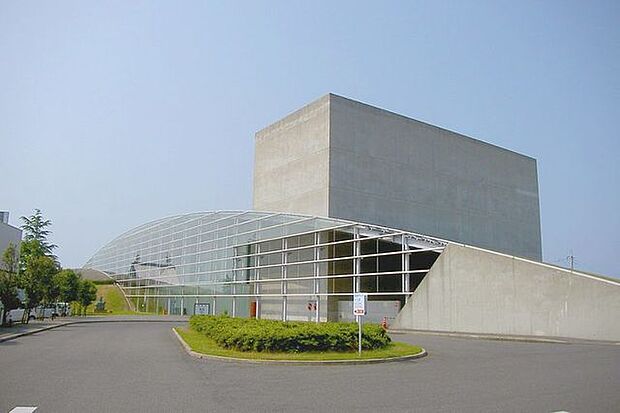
(368, 284)
(270, 308)
(224, 305)
(301, 308)
(340, 285)
(300, 270)
(341, 267)
(242, 306)
(390, 283)
(300, 287)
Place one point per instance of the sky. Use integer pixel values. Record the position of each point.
(115, 113)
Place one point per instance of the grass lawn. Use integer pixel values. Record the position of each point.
(115, 303)
(199, 343)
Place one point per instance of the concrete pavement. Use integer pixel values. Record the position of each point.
(131, 366)
(37, 326)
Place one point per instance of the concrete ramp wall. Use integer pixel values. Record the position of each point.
(477, 291)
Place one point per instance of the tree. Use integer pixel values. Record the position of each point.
(87, 294)
(8, 280)
(35, 228)
(37, 263)
(68, 283)
(37, 280)
(28, 250)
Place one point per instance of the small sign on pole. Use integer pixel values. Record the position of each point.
(359, 304)
(359, 310)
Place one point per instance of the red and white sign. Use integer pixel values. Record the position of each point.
(359, 304)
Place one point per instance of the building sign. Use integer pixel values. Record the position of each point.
(359, 304)
(202, 308)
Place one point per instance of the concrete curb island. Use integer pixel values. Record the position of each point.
(112, 319)
(194, 354)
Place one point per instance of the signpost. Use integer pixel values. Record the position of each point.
(359, 310)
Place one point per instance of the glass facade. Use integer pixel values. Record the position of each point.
(266, 265)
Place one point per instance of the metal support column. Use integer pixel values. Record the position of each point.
(316, 281)
(233, 287)
(357, 264)
(284, 286)
(256, 284)
(405, 267)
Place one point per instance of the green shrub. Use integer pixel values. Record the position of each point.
(292, 336)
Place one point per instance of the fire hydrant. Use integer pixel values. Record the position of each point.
(384, 323)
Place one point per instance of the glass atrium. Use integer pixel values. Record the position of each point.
(266, 265)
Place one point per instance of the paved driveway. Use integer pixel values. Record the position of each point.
(139, 367)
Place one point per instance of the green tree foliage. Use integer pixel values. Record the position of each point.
(29, 250)
(35, 227)
(68, 284)
(37, 263)
(38, 280)
(9, 280)
(87, 293)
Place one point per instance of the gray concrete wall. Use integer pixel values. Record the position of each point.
(9, 233)
(476, 291)
(390, 170)
(291, 168)
(344, 159)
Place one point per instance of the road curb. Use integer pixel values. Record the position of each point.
(29, 332)
(50, 327)
(491, 337)
(194, 354)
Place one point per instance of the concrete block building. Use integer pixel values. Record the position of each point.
(8, 233)
(344, 159)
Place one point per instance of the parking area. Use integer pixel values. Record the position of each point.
(137, 366)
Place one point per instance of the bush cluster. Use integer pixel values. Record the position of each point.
(292, 336)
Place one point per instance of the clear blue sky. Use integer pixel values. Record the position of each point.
(116, 113)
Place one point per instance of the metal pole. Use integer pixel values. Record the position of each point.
(315, 283)
(359, 335)
(284, 285)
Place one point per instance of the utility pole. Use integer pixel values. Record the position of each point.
(571, 260)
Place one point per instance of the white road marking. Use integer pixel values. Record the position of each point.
(20, 409)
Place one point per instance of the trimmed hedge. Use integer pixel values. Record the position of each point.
(245, 334)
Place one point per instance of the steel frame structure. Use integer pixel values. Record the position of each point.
(248, 256)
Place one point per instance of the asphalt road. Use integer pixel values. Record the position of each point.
(140, 367)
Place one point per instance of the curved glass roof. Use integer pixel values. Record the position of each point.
(175, 234)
